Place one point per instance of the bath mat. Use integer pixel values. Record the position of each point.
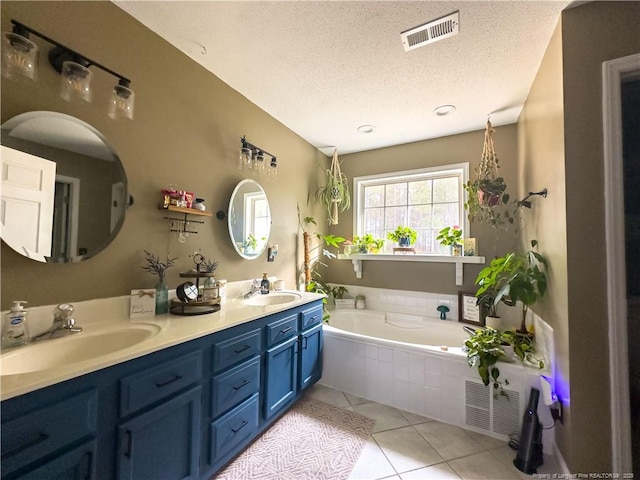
(313, 440)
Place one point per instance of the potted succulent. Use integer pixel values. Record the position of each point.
(452, 237)
(515, 277)
(487, 346)
(405, 236)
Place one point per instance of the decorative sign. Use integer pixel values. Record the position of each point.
(468, 311)
(470, 247)
(143, 303)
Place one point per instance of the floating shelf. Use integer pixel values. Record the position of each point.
(189, 211)
(357, 260)
(184, 221)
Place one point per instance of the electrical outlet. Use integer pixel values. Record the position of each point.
(556, 410)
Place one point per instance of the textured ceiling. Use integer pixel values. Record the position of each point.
(325, 68)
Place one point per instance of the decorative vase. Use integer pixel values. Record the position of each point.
(456, 250)
(209, 289)
(162, 297)
(404, 242)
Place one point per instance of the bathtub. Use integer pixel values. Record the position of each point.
(417, 364)
(409, 331)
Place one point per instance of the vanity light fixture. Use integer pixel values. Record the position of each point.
(20, 60)
(255, 159)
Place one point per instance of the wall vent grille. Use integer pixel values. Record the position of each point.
(430, 32)
(493, 413)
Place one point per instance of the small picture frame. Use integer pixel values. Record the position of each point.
(470, 247)
(468, 310)
(143, 303)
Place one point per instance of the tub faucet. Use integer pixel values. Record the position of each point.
(254, 290)
(63, 323)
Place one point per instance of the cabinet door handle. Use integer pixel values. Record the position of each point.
(127, 452)
(313, 319)
(242, 425)
(242, 349)
(246, 382)
(171, 380)
(43, 437)
(306, 341)
(285, 330)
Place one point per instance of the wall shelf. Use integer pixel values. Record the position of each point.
(184, 221)
(357, 260)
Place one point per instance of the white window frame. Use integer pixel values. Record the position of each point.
(359, 183)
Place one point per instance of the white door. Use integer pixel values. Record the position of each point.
(26, 202)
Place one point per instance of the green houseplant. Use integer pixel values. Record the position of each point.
(367, 243)
(405, 236)
(516, 276)
(335, 195)
(487, 346)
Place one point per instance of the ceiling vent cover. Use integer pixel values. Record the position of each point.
(433, 31)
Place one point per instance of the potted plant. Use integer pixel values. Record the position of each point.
(489, 308)
(405, 236)
(487, 200)
(452, 237)
(487, 346)
(367, 243)
(335, 194)
(516, 276)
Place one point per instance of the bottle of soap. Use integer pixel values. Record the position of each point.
(264, 284)
(14, 327)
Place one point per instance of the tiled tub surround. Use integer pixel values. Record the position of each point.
(416, 375)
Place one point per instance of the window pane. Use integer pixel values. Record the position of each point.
(396, 194)
(374, 196)
(420, 217)
(445, 190)
(394, 217)
(420, 192)
(445, 215)
(373, 219)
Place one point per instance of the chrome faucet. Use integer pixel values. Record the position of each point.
(63, 323)
(255, 289)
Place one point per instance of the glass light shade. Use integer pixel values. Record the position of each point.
(273, 169)
(75, 82)
(121, 103)
(245, 159)
(19, 57)
(260, 163)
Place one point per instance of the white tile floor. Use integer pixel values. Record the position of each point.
(405, 446)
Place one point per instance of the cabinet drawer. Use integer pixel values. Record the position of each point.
(310, 317)
(236, 349)
(282, 329)
(39, 433)
(232, 387)
(234, 428)
(144, 388)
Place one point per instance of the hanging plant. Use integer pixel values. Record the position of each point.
(334, 196)
(488, 201)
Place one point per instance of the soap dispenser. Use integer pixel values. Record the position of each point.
(14, 326)
(264, 284)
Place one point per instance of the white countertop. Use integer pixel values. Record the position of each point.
(96, 316)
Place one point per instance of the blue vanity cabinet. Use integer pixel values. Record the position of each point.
(163, 442)
(311, 343)
(76, 464)
(281, 366)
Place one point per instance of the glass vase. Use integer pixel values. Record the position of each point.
(162, 297)
(456, 250)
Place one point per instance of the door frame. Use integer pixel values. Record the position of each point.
(613, 72)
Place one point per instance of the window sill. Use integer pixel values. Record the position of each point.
(357, 259)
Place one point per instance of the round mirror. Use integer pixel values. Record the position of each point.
(64, 190)
(249, 219)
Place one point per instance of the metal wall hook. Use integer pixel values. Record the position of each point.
(525, 201)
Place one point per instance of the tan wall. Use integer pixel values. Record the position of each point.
(541, 164)
(591, 34)
(427, 277)
(186, 131)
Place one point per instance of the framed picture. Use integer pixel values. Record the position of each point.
(470, 248)
(468, 311)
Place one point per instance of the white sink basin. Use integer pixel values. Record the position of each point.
(46, 354)
(272, 299)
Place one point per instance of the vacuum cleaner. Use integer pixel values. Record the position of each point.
(529, 456)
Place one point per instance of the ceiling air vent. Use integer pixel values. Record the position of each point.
(433, 31)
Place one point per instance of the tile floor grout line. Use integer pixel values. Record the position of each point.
(383, 452)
